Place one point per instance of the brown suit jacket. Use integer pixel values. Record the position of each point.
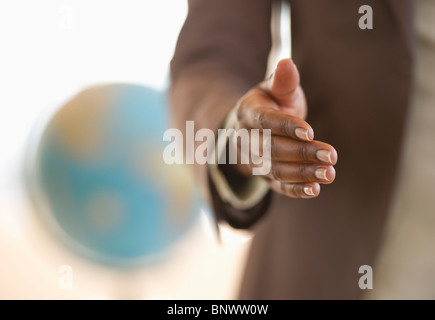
(357, 84)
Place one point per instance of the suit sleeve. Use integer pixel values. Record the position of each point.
(221, 53)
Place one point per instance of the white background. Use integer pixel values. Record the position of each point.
(50, 50)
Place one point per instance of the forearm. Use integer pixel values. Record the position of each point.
(220, 55)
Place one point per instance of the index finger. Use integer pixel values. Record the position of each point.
(280, 123)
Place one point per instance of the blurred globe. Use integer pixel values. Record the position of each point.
(100, 171)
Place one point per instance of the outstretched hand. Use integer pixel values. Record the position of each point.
(299, 164)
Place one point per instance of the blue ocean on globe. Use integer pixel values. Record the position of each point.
(101, 172)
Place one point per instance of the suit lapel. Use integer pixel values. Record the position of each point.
(403, 12)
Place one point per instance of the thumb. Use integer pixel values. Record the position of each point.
(284, 87)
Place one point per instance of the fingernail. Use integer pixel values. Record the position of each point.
(284, 61)
(309, 191)
(321, 174)
(302, 134)
(324, 155)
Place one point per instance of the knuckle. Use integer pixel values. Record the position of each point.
(292, 191)
(300, 190)
(273, 148)
(285, 189)
(303, 152)
(261, 118)
(303, 173)
(274, 171)
(296, 190)
(285, 127)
